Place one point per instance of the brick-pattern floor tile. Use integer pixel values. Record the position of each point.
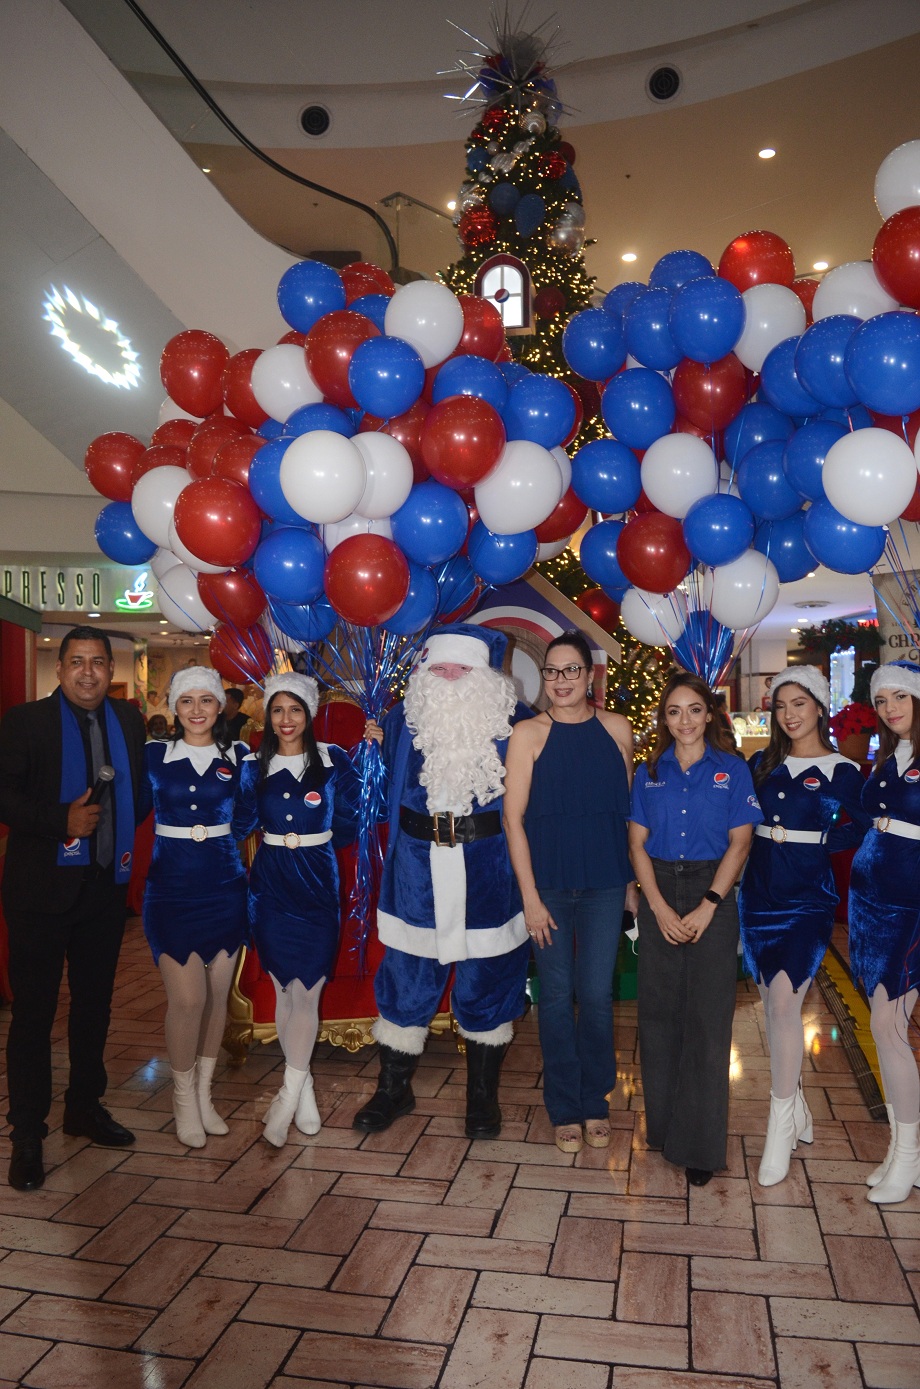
(378, 1263)
(531, 1215)
(563, 1374)
(43, 1236)
(620, 1343)
(888, 1367)
(72, 1319)
(333, 1225)
(160, 1272)
(245, 1357)
(433, 1220)
(789, 1234)
(858, 1264)
(731, 1332)
(843, 1321)
(757, 1276)
(431, 1305)
(270, 1266)
(52, 1273)
(587, 1249)
(196, 1317)
(460, 1251)
(360, 1360)
(805, 1364)
(491, 1351)
(653, 1288)
(88, 1367)
(18, 1354)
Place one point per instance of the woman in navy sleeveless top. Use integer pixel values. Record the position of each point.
(566, 806)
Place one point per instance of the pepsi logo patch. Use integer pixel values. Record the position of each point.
(71, 846)
(224, 774)
(912, 776)
(721, 779)
(126, 860)
(812, 783)
(752, 800)
(312, 798)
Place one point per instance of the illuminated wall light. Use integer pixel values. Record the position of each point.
(452, 205)
(204, 170)
(629, 257)
(766, 153)
(64, 310)
(820, 265)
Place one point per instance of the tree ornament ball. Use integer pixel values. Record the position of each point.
(551, 165)
(478, 227)
(549, 302)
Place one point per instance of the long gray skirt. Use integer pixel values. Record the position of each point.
(686, 1002)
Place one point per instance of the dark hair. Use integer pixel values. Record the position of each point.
(716, 733)
(85, 634)
(576, 639)
(269, 744)
(237, 694)
(888, 741)
(220, 733)
(780, 743)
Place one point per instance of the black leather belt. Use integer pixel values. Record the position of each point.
(447, 829)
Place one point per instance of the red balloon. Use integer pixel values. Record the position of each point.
(294, 338)
(710, 395)
(177, 432)
(564, 520)
(590, 397)
(601, 609)
(366, 579)
(483, 330)
(896, 256)
(233, 458)
(579, 415)
(218, 521)
(651, 552)
(109, 461)
(191, 369)
(806, 289)
(158, 456)
(233, 597)
(895, 425)
(330, 346)
(406, 430)
(506, 355)
(208, 439)
(549, 302)
(567, 151)
(361, 278)
(757, 257)
(912, 511)
(236, 385)
(462, 440)
(241, 654)
(643, 505)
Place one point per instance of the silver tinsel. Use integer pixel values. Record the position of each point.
(528, 53)
(469, 197)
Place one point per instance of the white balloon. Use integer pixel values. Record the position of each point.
(389, 474)
(654, 618)
(428, 316)
(355, 524)
(162, 561)
(565, 466)
(180, 602)
(522, 490)
(772, 314)
(169, 410)
(744, 591)
(678, 470)
(323, 476)
(153, 501)
(853, 289)
(897, 183)
(188, 556)
(870, 476)
(281, 381)
(549, 549)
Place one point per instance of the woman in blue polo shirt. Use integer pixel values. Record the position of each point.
(693, 808)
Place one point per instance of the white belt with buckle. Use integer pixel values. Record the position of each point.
(903, 828)
(780, 835)
(199, 833)
(297, 841)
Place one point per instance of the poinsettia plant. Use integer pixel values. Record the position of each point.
(853, 719)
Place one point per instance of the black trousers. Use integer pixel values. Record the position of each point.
(88, 937)
(686, 999)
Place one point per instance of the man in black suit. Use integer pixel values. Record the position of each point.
(64, 889)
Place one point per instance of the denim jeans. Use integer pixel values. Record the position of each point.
(579, 1064)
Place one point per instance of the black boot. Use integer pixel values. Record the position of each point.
(483, 1066)
(393, 1095)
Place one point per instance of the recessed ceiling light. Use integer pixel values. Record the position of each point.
(46, 638)
(811, 575)
(629, 257)
(793, 629)
(820, 265)
(94, 614)
(204, 170)
(451, 206)
(766, 153)
(164, 622)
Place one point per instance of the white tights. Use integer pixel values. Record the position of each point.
(196, 1006)
(297, 1020)
(890, 1023)
(782, 1007)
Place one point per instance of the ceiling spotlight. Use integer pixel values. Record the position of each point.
(73, 318)
(164, 622)
(94, 614)
(629, 257)
(793, 629)
(46, 638)
(812, 575)
(820, 265)
(766, 153)
(452, 205)
(205, 170)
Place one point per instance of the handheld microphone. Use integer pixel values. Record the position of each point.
(104, 779)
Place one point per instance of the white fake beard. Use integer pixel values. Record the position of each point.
(456, 723)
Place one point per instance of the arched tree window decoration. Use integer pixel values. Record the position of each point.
(505, 281)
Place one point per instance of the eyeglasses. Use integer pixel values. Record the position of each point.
(567, 672)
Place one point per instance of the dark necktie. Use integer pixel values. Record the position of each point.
(105, 840)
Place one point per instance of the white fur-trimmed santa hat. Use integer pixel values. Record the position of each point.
(896, 675)
(464, 644)
(195, 678)
(291, 682)
(809, 677)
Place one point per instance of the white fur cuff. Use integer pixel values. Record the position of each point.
(498, 1037)
(410, 1040)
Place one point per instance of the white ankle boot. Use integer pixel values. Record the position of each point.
(210, 1119)
(283, 1107)
(878, 1173)
(780, 1141)
(904, 1169)
(306, 1116)
(189, 1129)
(804, 1124)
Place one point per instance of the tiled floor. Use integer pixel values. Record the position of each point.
(417, 1259)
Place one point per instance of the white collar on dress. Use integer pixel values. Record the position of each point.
(200, 758)
(824, 764)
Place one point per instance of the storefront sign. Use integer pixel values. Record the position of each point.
(51, 589)
(897, 616)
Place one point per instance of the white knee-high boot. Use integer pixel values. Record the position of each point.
(878, 1173)
(804, 1124)
(306, 1115)
(282, 1108)
(210, 1119)
(904, 1169)
(780, 1141)
(189, 1128)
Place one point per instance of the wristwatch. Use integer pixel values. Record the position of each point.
(713, 897)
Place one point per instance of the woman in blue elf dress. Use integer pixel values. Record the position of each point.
(195, 898)
(885, 918)
(788, 899)
(304, 796)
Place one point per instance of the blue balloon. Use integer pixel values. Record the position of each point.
(599, 555)
(477, 159)
(469, 375)
(431, 524)
(500, 559)
(289, 565)
(457, 585)
(504, 198)
(120, 538)
(419, 605)
(882, 363)
(841, 544)
(780, 386)
(529, 214)
(373, 306)
(763, 484)
(270, 429)
(308, 290)
(754, 424)
(319, 416)
(265, 483)
(819, 359)
(804, 455)
(675, 268)
(386, 376)
(648, 335)
(606, 477)
(638, 407)
(853, 417)
(311, 623)
(594, 344)
(513, 371)
(541, 409)
(707, 318)
(618, 299)
(718, 529)
(783, 542)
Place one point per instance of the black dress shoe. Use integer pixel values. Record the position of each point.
(698, 1176)
(27, 1172)
(98, 1126)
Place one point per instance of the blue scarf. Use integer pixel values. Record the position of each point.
(75, 852)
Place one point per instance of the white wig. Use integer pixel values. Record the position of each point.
(810, 678)
(195, 678)
(896, 675)
(290, 682)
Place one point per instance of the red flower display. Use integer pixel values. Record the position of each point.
(853, 719)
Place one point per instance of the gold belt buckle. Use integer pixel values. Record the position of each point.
(291, 840)
(199, 833)
(778, 834)
(883, 823)
(437, 829)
